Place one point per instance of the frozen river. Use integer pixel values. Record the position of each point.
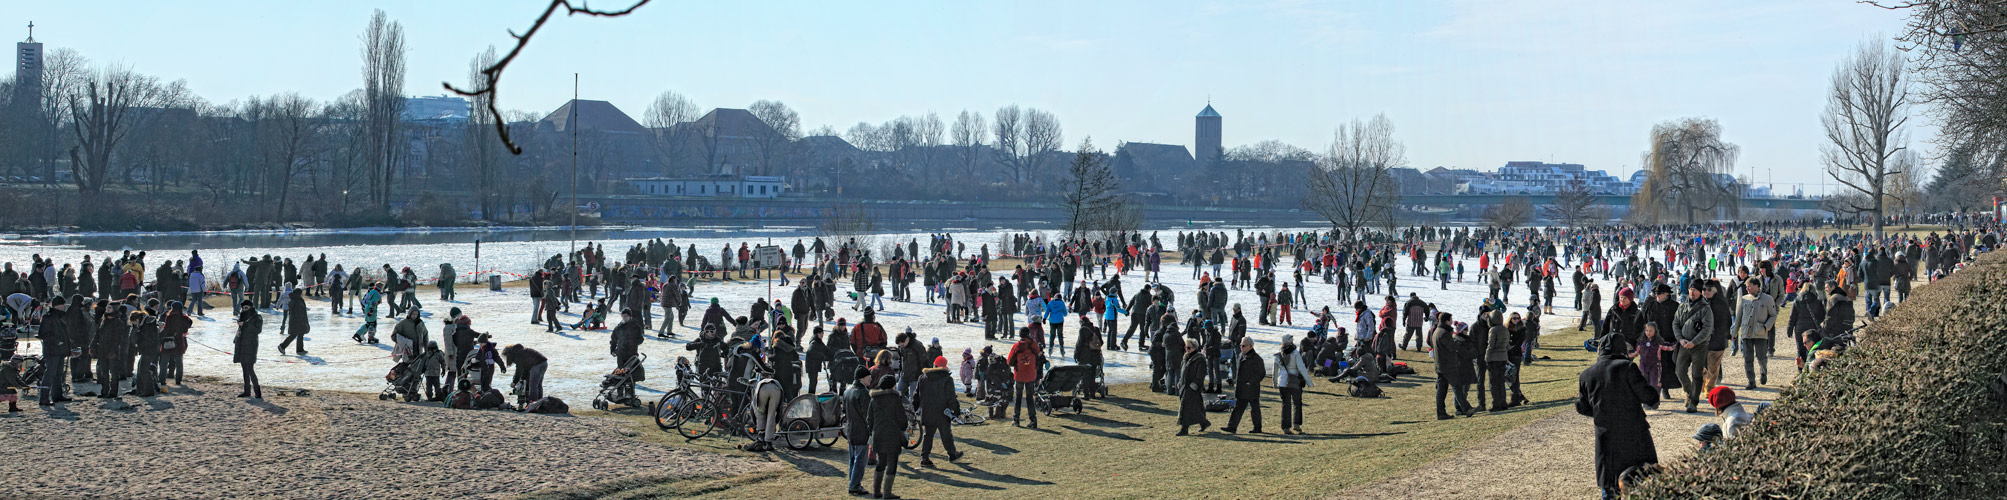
(580, 358)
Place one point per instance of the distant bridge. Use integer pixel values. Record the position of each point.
(1605, 200)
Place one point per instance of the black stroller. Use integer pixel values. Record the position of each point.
(1060, 389)
(401, 383)
(617, 387)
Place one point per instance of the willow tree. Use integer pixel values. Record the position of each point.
(1687, 172)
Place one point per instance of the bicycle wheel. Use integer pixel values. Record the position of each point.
(798, 434)
(912, 432)
(826, 438)
(971, 414)
(698, 410)
(668, 410)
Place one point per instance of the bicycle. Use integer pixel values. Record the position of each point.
(673, 409)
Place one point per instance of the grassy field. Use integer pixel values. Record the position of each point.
(1124, 447)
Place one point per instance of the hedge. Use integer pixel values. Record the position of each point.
(1911, 411)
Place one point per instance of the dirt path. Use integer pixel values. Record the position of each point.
(1554, 456)
(200, 442)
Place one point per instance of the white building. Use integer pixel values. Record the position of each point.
(719, 186)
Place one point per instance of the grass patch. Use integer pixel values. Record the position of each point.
(1124, 447)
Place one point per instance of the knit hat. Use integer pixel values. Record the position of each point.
(1627, 293)
(940, 361)
(1720, 397)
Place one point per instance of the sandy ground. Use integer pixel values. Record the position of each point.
(200, 442)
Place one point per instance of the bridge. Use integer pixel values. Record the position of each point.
(1604, 200)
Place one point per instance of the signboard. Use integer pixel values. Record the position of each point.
(768, 256)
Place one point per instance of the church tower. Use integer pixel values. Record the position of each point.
(28, 71)
(1206, 143)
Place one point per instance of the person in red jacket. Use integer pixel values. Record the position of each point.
(1023, 361)
(867, 335)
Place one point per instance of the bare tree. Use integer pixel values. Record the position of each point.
(665, 117)
(1904, 192)
(1353, 186)
(1042, 136)
(1864, 118)
(1574, 206)
(288, 136)
(1009, 132)
(63, 70)
(1688, 167)
(775, 145)
(1090, 197)
(483, 148)
(103, 113)
(1960, 65)
(1513, 212)
(967, 134)
(383, 101)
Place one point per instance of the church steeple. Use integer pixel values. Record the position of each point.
(1206, 137)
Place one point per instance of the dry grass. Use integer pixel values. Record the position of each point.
(1124, 447)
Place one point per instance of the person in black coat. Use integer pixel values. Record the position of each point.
(1452, 370)
(249, 326)
(1247, 378)
(1806, 315)
(1839, 314)
(296, 323)
(1191, 402)
(1615, 395)
(856, 402)
(937, 400)
(888, 436)
(56, 344)
(625, 346)
(113, 340)
(785, 356)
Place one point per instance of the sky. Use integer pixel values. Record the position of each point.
(1468, 84)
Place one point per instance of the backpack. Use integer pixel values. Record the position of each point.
(1363, 388)
(549, 404)
(1401, 368)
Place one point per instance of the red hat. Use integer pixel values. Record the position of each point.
(940, 361)
(1720, 397)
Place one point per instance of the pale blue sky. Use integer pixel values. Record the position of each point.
(1468, 83)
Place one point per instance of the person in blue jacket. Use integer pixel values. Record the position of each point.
(1055, 318)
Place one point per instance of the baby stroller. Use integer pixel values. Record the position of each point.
(616, 387)
(401, 382)
(1061, 386)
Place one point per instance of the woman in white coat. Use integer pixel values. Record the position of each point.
(1291, 377)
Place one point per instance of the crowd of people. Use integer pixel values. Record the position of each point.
(1681, 297)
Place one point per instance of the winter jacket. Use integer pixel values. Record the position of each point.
(1112, 307)
(1754, 315)
(888, 420)
(625, 342)
(1724, 322)
(857, 415)
(1499, 343)
(1247, 374)
(1694, 322)
(1807, 314)
(1055, 311)
(413, 330)
(249, 325)
(1839, 317)
(1289, 369)
(936, 395)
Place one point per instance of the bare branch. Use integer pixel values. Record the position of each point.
(492, 75)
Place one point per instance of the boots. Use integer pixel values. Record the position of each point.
(877, 483)
(889, 476)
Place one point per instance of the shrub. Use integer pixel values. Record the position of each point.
(1909, 412)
